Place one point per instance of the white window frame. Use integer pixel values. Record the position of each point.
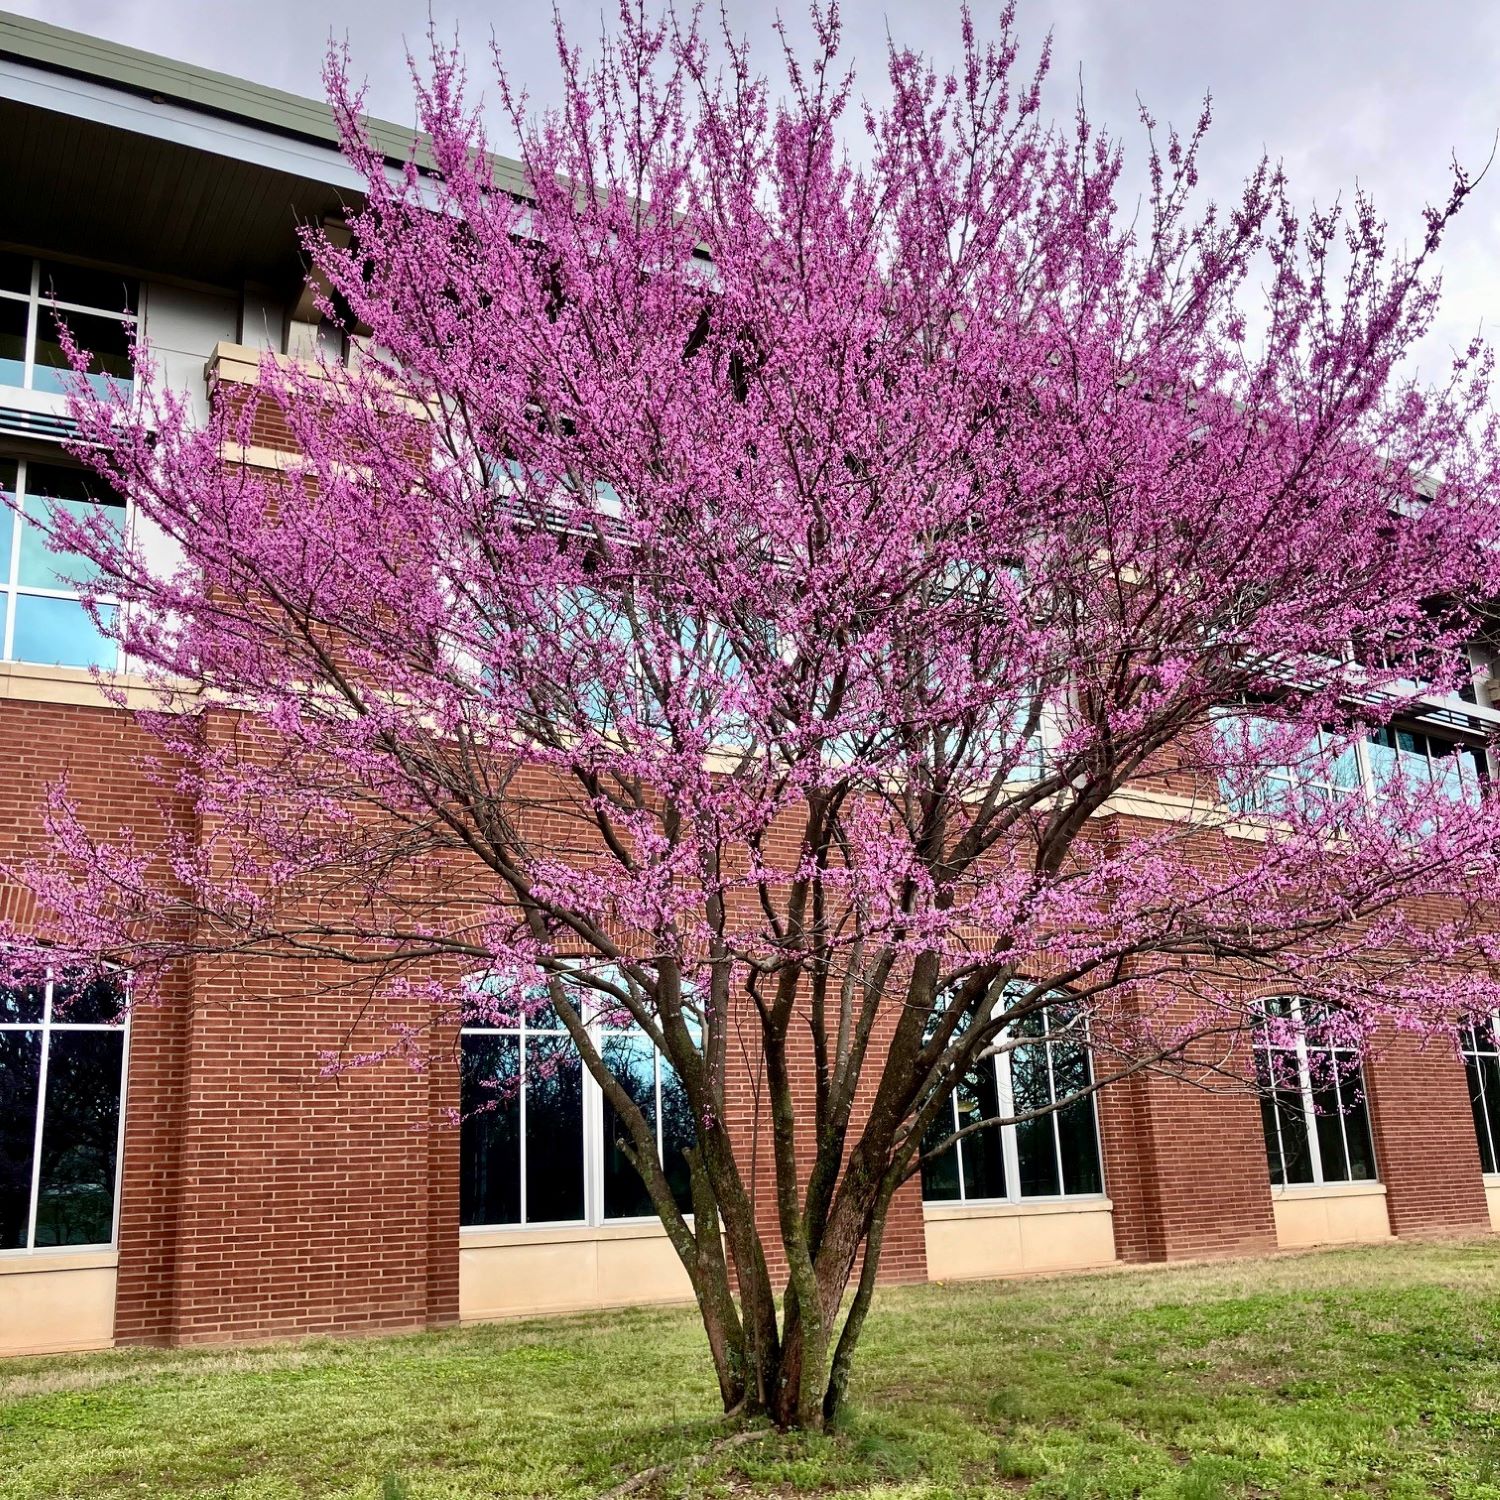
(1010, 1149)
(46, 1027)
(11, 587)
(1309, 1112)
(35, 301)
(593, 1124)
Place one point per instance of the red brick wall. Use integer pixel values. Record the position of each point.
(1425, 1149)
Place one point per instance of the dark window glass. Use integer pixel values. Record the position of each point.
(554, 1130)
(1076, 1135)
(632, 1059)
(50, 488)
(13, 322)
(677, 1136)
(1357, 1134)
(1329, 1120)
(23, 1004)
(1273, 1142)
(106, 341)
(96, 1003)
(1296, 1151)
(984, 1159)
(1484, 1095)
(20, 1069)
(940, 1174)
(87, 286)
(80, 1137)
(15, 272)
(1036, 1141)
(490, 1134)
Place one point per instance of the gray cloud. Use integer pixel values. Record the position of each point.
(1379, 92)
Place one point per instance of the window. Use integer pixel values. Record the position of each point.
(42, 620)
(98, 307)
(1053, 1155)
(1325, 775)
(540, 1142)
(1481, 1050)
(1313, 1109)
(1421, 758)
(62, 1079)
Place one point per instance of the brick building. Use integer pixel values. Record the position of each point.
(188, 1176)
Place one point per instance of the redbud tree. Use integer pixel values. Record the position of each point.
(819, 579)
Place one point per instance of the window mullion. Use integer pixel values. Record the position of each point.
(1062, 1181)
(1338, 1097)
(521, 1072)
(1010, 1151)
(33, 317)
(1309, 1113)
(125, 1029)
(958, 1146)
(41, 1112)
(593, 1139)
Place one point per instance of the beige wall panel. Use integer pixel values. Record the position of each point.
(1330, 1216)
(47, 1309)
(968, 1244)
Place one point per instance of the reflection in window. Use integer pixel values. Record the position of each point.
(62, 1075)
(1481, 1051)
(41, 617)
(1314, 1115)
(1055, 1154)
(540, 1143)
(1421, 759)
(1320, 781)
(99, 308)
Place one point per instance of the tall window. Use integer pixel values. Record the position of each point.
(98, 307)
(540, 1143)
(1055, 1154)
(41, 619)
(1313, 1110)
(1420, 758)
(1481, 1051)
(62, 1078)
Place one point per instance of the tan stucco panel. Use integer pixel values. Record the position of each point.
(966, 1244)
(47, 1308)
(1492, 1192)
(510, 1275)
(1342, 1215)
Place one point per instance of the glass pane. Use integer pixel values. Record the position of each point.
(80, 1138)
(93, 1004)
(1330, 1127)
(1036, 1141)
(1490, 1073)
(15, 272)
(632, 1059)
(53, 487)
(59, 633)
(1075, 1122)
(22, 1004)
(88, 287)
(490, 1142)
(1296, 1151)
(984, 1161)
(940, 1175)
(13, 319)
(20, 1068)
(554, 1130)
(106, 341)
(8, 474)
(677, 1135)
(1357, 1132)
(1273, 1142)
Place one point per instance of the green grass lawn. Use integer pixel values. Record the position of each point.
(1360, 1372)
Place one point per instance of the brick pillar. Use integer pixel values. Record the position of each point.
(1425, 1148)
(1185, 1168)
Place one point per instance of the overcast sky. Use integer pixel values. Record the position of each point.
(1379, 92)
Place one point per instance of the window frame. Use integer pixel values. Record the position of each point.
(593, 1108)
(1480, 1106)
(11, 587)
(46, 1027)
(1010, 1149)
(35, 303)
(1309, 1114)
